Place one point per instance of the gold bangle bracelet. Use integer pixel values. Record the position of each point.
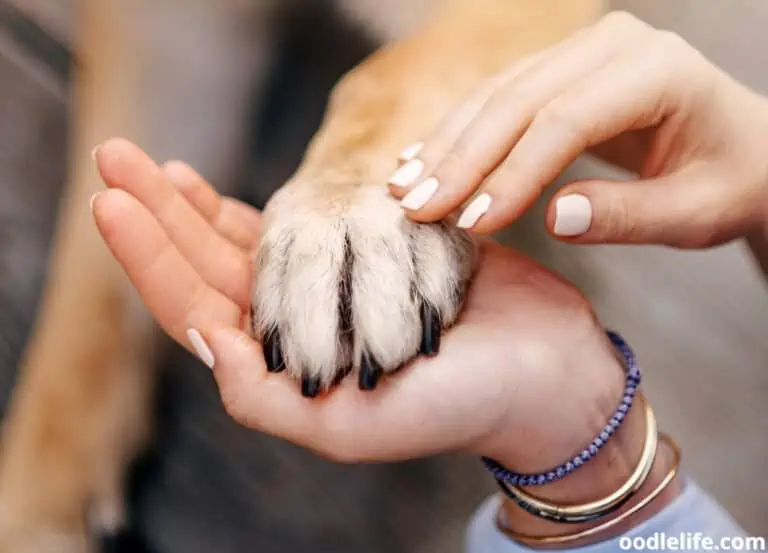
(599, 508)
(589, 532)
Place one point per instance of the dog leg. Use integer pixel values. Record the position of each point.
(176, 76)
(345, 281)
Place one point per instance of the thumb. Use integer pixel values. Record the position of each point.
(252, 396)
(673, 210)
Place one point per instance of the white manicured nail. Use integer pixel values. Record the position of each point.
(407, 174)
(411, 151)
(201, 348)
(95, 151)
(573, 215)
(474, 211)
(93, 199)
(416, 198)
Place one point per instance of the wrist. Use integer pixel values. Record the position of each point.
(607, 472)
(580, 405)
(601, 385)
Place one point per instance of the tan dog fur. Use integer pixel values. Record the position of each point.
(81, 409)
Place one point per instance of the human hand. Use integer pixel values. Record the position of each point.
(526, 339)
(641, 98)
(526, 342)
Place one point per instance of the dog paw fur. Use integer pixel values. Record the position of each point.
(345, 283)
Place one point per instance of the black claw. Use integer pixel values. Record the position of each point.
(310, 386)
(341, 375)
(430, 330)
(370, 373)
(273, 353)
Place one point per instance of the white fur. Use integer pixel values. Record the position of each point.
(393, 265)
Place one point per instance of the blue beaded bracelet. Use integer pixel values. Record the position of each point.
(561, 471)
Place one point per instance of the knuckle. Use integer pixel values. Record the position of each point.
(669, 41)
(458, 155)
(504, 105)
(622, 20)
(683, 59)
(235, 407)
(698, 236)
(458, 165)
(495, 82)
(615, 221)
(673, 48)
(711, 223)
(560, 115)
(682, 67)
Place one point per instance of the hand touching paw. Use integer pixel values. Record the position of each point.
(368, 279)
(346, 284)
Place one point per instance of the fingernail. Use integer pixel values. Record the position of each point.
(411, 151)
(93, 199)
(201, 348)
(416, 198)
(95, 151)
(573, 215)
(474, 211)
(407, 174)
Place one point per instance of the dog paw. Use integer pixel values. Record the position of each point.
(345, 283)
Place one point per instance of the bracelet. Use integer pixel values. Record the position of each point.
(575, 536)
(595, 509)
(630, 389)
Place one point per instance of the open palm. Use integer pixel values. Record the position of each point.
(522, 338)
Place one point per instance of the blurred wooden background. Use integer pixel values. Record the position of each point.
(698, 320)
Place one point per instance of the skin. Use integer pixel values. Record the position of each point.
(641, 98)
(541, 345)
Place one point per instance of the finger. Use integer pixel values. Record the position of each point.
(449, 130)
(194, 188)
(221, 264)
(628, 94)
(345, 424)
(439, 142)
(272, 402)
(255, 398)
(239, 222)
(234, 220)
(691, 209)
(484, 143)
(172, 289)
